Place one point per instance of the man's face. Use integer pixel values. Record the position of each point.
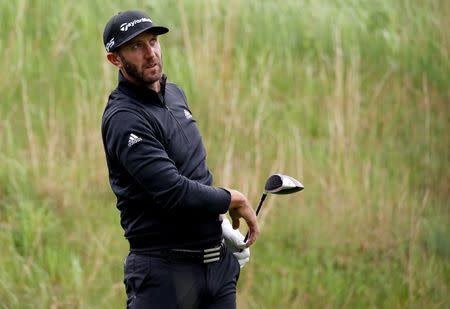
(141, 60)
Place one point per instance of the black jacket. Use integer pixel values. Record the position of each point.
(157, 169)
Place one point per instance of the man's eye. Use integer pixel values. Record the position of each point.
(136, 46)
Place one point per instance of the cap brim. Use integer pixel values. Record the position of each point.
(158, 30)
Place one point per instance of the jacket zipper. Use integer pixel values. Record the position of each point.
(177, 121)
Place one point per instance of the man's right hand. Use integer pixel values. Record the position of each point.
(240, 208)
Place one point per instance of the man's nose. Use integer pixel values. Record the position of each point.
(149, 51)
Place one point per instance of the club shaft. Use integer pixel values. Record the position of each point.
(263, 197)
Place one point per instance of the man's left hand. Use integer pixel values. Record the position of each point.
(234, 240)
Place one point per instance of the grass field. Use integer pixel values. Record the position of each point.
(351, 97)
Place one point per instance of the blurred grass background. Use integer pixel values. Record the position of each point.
(351, 97)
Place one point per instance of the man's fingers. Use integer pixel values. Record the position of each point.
(253, 227)
(251, 239)
(241, 208)
(253, 232)
(236, 223)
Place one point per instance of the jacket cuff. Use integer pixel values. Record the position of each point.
(224, 200)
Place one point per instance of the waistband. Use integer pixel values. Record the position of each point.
(207, 255)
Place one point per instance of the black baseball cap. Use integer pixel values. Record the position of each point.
(124, 26)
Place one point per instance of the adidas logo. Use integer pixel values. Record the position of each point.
(133, 139)
(187, 114)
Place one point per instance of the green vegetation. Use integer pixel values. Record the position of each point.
(351, 97)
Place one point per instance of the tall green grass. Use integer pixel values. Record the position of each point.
(351, 97)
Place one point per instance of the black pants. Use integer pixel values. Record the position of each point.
(154, 282)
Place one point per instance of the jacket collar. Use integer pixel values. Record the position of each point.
(142, 94)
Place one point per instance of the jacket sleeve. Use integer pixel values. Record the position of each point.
(146, 160)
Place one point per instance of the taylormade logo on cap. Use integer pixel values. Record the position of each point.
(125, 26)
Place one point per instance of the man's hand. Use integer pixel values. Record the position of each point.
(234, 240)
(240, 208)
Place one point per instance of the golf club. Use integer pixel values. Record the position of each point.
(278, 184)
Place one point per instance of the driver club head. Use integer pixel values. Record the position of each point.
(282, 184)
(278, 184)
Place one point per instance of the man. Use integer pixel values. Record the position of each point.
(171, 214)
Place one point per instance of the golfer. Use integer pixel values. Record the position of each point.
(183, 251)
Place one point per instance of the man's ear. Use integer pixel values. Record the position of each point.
(114, 58)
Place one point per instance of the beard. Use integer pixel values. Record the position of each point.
(138, 74)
